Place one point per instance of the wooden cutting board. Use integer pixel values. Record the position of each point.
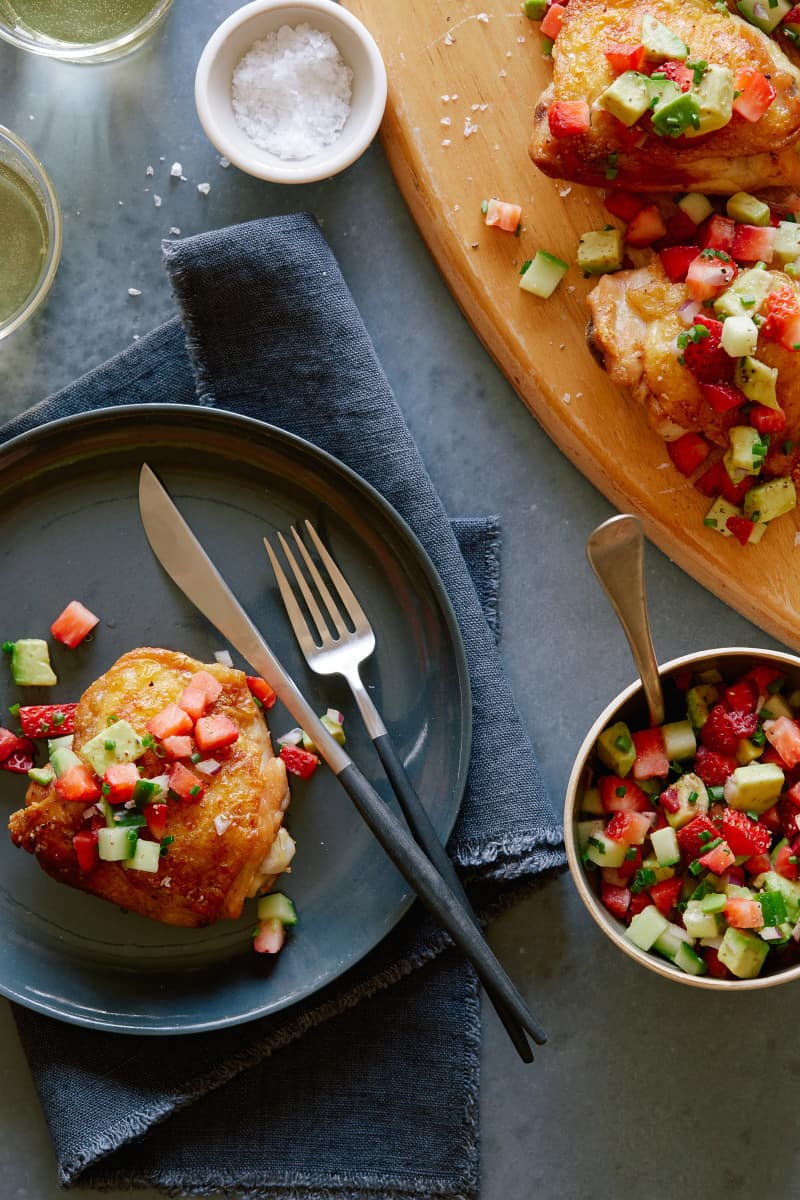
(463, 84)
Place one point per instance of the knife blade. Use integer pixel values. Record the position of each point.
(188, 565)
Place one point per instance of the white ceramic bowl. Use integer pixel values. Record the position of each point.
(234, 38)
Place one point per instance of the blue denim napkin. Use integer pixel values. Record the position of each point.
(370, 1087)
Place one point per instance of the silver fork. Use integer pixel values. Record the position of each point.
(343, 655)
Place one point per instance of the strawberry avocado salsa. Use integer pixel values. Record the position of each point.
(692, 829)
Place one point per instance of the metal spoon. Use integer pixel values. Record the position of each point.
(616, 554)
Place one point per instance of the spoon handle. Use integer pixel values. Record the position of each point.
(616, 554)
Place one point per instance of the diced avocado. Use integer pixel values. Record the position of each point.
(646, 926)
(771, 499)
(771, 881)
(774, 706)
(692, 797)
(746, 294)
(604, 851)
(145, 857)
(699, 702)
(30, 663)
(615, 749)
(786, 247)
(746, 452)
(754, 788)
(62, 759)
(677, 115)
(717, 516)
(742, 953)
(543, 274)
(714, 94)
(650, 863)
(766, 15)
(679, 740)
(535, 10)
(670, 940)
(660, 43)
(42, 775)
(747, 209)
(665, 846)
(757, 381)
(115, 845)
(118, 743)
(739, 336)
(696, 206)
(276, 905)
(335, 728)
(714, 902)
(794, 700)
(627, 98)
(689, 960)
(601, 251)
(710, 675)
(591, 802)
(747, 751)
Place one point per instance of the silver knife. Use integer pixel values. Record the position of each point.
(188, 565)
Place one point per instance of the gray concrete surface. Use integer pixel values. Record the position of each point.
(646, 1089)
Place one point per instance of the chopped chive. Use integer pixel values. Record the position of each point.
(109, 745)
(14, 710)
(620, 791)
(776, 685)
(196, 757)
(8, 647)
(717, 794)
(752, 815)
(195, 791)
(623, 743)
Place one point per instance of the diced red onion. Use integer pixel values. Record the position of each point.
(293, 738)
(796, 932)
(771, 934)
(688, 311)
(208, 766)
(223, 658)
(91, 811)
(221, 823)
(334, 715)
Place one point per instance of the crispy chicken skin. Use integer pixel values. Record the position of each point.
(633, 331)
(740, 157)
(205, 876)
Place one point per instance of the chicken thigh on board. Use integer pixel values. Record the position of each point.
(224, 844)
(741, 155)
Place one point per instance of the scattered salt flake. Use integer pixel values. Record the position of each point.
(223, 657)
(129, 804)
(456, 208)
(204, 188)
(134, 292)
(449, 39)
(446, 121)
(166, 881)
(161, 158)
(224, 162)
(454, 97)
(446, 142)
(157, 200)
(483, 18)
(566, 398)
(665, 467)
(149, 171)
(136, 337)
(31, 117)
(176, 170)
(520, 40)
(120, 203)
(221, 823)
(90, 811)
(508, 54)
(469, 127)
(502, 74)
(579, 395)
(444, 99)
(564, 191)
(571, 287)
(174, 230)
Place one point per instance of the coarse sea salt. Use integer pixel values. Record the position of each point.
(292, 92)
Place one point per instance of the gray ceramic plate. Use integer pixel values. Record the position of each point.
(70, 528)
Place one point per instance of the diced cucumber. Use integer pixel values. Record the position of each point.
(585, 830)
(670, 940)
(535, 9)
(737, 891)
(30, 663)
(765, 16)
(714, 902)
(650, 863)
(696, 206)
(54, 743)
(145, 857)
(334, 728)
(769, 500)
(665, 846)
(601, 251)
(742, 953)
(591, 802)
(689, 960)
(646, 926)
(698, 921)
(62, 759)
(115, 845)
(118, 743)
(604, 851)
(615, 749)
(42, 775)
(543, 274)
(717, 518)
(755, 787)
(150, 791)
(747, 209)
(679, 740)
(277, 906)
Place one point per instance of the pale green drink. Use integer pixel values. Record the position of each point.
(79, 21)
(23, 241)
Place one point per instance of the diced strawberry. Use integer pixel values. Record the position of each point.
(741, 528)
(678, 72)
(710, 482)
(782, 306)
(629, 827)
(716, 969)
(705, 357)
(624, 205)
(613, 876)
(121, 779)
(193, 701)
(47, 720)
(753, 94)
(270, 937)
(638, 903)
(616, 899)
(735, 875)
(782, 865)
(762, 676)
(298, 761)
(708, 277)
(622, 795)
(791, 334)
(212, 733)
(669, 800)
(177, 747)
(767, 420)
(78, 783)
(665, 895)
(554, 19)
(693, 838)
(743, 835)
(625, 56)
(261, 690)
(21, 758)
(73, 625)
(771, 818)
(789, 818)
(208, 683)
(683, 679)
(784, 734)
(156, 816)
(718, 233)
(629, 865)
(771, 755)
(722, 396)
(743, 914)
(743, 724)
(753, 243)
(758, 864)
(681, 230)
(85, 844)
(646, 227)
(8, 743)
(719, 859)
(793, 794)
(185, 783)
(502, 215)
(718, 733)
(676, 261)
(713, 768)
(651, 760)
(688, 452)
(170, 722)
(741, 696)
(568, 118)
